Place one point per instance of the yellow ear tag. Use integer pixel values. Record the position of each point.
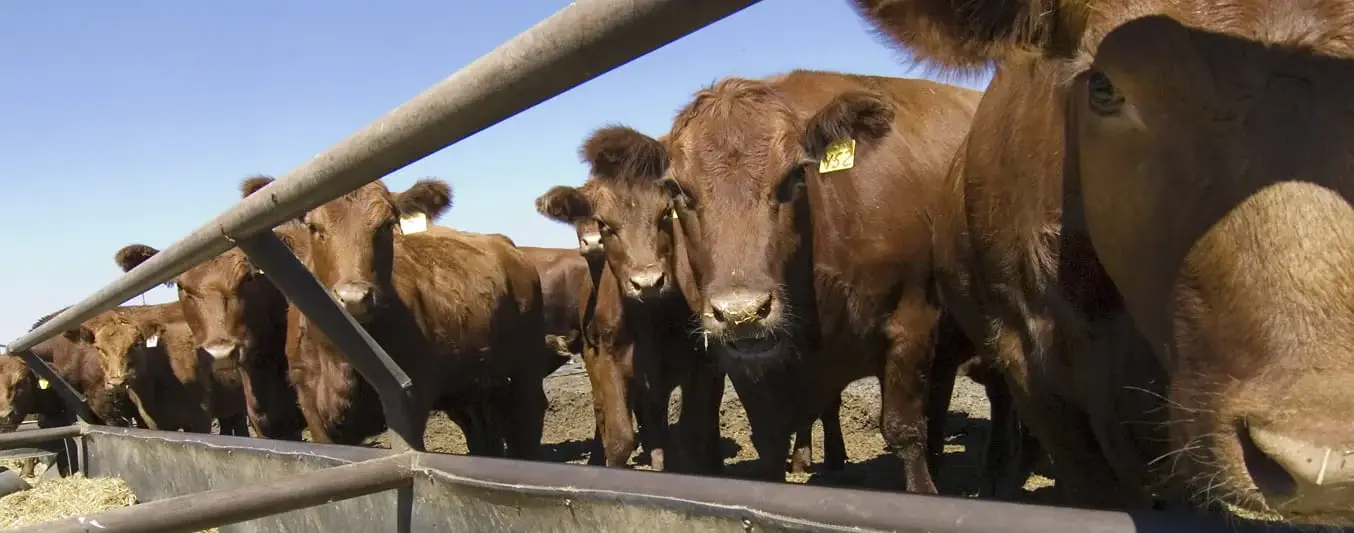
(840, 155)
(674, 213)
(415, 223)
(43, 384)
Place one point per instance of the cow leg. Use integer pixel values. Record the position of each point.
(771, 417)
(526, 417)
(702, 394)
(834, 444)
(236, 424)
(802, 456)
(1084, 477)
(1005, 466)
(939, 393)
(472, 427)
(610, 391)
(903, 390)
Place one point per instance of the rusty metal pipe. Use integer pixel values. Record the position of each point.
(204, 510)
(30, 437)
(580, 42)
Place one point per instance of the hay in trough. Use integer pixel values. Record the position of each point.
(57, 498)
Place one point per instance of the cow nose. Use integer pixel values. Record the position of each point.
(224, 353)
(1298, 476)
(738, 307)
(590, 243)
(355, 297)
(647, 280)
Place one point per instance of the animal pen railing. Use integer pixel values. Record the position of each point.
(278, 485)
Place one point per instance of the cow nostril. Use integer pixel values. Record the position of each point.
(764, 310)
(1269, 476)
(717, 314)
(658, 282)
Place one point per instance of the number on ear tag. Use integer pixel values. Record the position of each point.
(839, 155)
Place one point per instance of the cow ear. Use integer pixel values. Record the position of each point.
(863, 117)
(252, 185)
(429, 196)
(564, 204)
(79, 335)
(132, 255)
(623, 153)
(964, 36)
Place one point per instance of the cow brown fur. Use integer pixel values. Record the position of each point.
(1156, 229)
(809, 281)
(460, 314)
(639, 345)
(149, 352)
(77, 362)
(564, 276)
(238, 317)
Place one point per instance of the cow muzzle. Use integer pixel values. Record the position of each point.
(357, 298)
(1299, 477)
(645, 282)
(225, 354)
(590, 244)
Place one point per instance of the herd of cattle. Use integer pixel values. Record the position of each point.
(1139, 239)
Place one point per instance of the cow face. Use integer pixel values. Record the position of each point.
(737, 177)
(351, 245)
(227, 301)
(625, 203)
(18, 391)
(1206, 148)
(123, 346)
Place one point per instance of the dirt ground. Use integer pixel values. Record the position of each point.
(569, 428)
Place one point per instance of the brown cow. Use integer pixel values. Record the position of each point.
(19, 392)
(461, 315)
(239, 317)
(564, 277)
(149, 352)
(77, 362)
(1158, 218)
(639, 345)
(811, 280)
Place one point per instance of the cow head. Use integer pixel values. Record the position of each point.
(228, 303)
(18, 392)
(625, 202)
(123, 345)
(1206, 147)
(741, 160)
(351, 246)
(562, 203)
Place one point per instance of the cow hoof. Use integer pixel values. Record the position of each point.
(656, 459)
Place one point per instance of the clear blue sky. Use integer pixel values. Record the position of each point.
(133, 121)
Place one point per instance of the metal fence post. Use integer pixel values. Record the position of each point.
(301, 288)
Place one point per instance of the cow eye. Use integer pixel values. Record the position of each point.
(1101, 94)
(790, 184)
(604, 228)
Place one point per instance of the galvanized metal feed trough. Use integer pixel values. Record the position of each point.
(194, 481)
